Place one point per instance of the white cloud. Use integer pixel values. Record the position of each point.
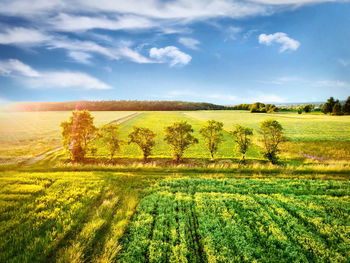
(286, 42)
(114, 53)
(21, 36)
(233, 32)
(332, 83)
(50, 79)
(183, 10)
(66, 80)
(11, 66)
(189, 42)
(293, 2)
(31, 8)
(81, 57)
(178, 9)
(71, 23)
(79, 50)
(133, 55)
(170, 54)
(82, 46)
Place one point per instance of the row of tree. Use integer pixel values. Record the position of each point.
(79, 133)
(334, 107)
(121, 105)
(256, 107)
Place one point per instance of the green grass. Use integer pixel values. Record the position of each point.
(323, 136)
(27, 134)
(304, 127)
(24, 135)
(156, 121)
(241, 220)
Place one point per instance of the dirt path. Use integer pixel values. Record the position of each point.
(44, 155)
(126, 118)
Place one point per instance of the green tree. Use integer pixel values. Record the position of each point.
(110, 135)
(212, 134)
(346, 107)
(307, 108)
(337, 108)
(258, 107)
(272, 135)
(299, 109)
(144, 138)
(242, 138)
(78, 134)
(328, 106)
(179, 136)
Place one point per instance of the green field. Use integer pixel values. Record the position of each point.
(156, 121)
(64, 217)
(27, 134)
(304, 127)
(241, 220)
(197, 211)
(97, 217)
(24, 135)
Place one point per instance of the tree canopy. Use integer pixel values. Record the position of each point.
(212, 134)
(242, 138)
(272, 133)
(179, 137)
(110, 135)
(78, 133)
(144, 138)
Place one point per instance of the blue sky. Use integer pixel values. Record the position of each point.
(220, 51)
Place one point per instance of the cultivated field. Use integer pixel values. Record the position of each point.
(54, 211)
(64, 217)
(241, 220)
(27, 134)
(85, 217)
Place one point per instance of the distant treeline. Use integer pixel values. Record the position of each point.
(256, 107)
(121, 105)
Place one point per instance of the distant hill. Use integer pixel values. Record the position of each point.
(121, 105)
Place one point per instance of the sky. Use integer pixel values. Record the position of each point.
(220, 51)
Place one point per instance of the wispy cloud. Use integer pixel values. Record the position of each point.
(332, 83)
(50, 79)
(66, 80)
(286, 42)
(170, 54)
(22, 36)
(73, 23)
(79, 50)
(232, 32)
(190, 43)
(14, 66)
(292, 2)
(81, 57)
(183, 10)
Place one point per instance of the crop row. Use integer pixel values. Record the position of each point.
(208, 220)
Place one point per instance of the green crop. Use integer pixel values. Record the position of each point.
(240, 220)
